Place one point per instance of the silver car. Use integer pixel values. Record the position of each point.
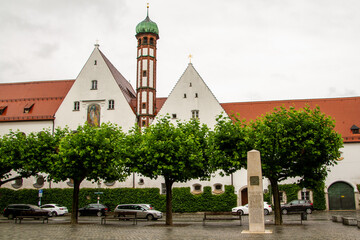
(142, 210)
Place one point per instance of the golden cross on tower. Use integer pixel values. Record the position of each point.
(190, 56)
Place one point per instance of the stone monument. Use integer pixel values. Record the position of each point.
(255, 194)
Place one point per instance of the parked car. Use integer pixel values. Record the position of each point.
(93, 209)
(14, 210)
(142, 210)
(241, 210)
(55, 209)
(297, 206)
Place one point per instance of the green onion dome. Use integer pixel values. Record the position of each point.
(147, 26)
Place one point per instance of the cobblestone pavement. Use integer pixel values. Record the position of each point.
(186, 226)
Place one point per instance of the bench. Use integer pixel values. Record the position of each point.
(349, 221)
(303, 215)
(218, 216)
(43, 218)
(120, 216)
(336, 218)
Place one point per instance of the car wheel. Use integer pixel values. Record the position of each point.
(99, 214)
(284, 211)
(11, 216)
(308, 211)
(240, 212)
(54, 214)
(149, 217)
(266, 212)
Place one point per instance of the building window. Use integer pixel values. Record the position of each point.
(145, 40)
(196, 95)
(2, 109)
(28, 107)
(70, 183)
(76, 106)
(144, 106)
(39, 182)
(95, 62)
(184, 95)
(144, 73)
(143, 123)
(109, 183)
(174, 115)
(94, 85)
(141, 181)
(305, 196)
(190, 85)
(195, 113)
(111, 104)
(281, 195)
(196, 189)
(139, 41)
(163, 188)
(151, 41)
(354, 129)
(218, 187)
(17, 183)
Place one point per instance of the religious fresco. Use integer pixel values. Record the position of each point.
(93, 115)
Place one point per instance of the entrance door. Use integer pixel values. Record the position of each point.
(341, 196)
(244, 196)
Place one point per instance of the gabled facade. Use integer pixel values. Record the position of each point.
(191, 98)
(99, 94)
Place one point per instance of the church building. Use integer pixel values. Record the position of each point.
(100, 93)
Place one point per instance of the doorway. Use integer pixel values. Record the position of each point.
(341, 196)
(244, 196)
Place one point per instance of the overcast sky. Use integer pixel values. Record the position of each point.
(245, 50)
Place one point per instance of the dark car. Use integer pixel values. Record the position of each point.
(14, 210)
(93, 209)
(297, 206)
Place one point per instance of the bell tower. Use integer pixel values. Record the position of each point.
(147, 34)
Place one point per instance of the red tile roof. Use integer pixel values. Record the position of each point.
(345, 111)
(45, 98)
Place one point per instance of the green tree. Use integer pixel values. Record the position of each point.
(293, 143)
(89, 153)
(178, 153)
(26, 154)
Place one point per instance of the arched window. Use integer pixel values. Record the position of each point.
(17, 183)
(145, 40)
(151, 41)
(197, 188)
(39, 182)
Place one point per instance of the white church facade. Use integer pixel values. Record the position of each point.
(101, 94)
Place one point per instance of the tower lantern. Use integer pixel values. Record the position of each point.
(147, 34)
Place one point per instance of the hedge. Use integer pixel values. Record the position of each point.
(183, 199)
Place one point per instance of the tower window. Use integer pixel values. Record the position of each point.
(144, 105)
(196, 95)
(195, 113)
(145, 40)
(111, 104)
(151, 41)
(144, 73)
(139, 41)
(76, 106)
(95, 62)
(184, 95)
(94, 85)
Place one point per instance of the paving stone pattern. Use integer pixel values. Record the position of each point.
(186, 226)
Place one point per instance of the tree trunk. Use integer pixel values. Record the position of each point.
(75, 203)
(276, 195)
(169, 220)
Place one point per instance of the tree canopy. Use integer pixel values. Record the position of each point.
(178, 153)
(90, 153)
(292, 143)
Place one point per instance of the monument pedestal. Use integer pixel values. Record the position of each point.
(255, 194)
